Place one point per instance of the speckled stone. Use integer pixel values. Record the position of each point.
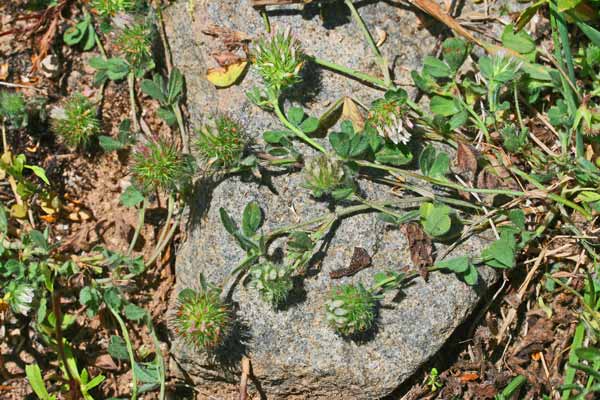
(293, 351)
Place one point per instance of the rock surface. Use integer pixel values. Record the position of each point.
(294, 353)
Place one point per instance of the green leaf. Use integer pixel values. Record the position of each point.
(274, 137)
(228, 222)
(112, 297)
(455, 52)
(109, 144)
(117, 69)
(358, 145)
(98, 63)
(117, 348)
(528, 14)
(299, 242)
(458, 264)
(592, 33)
(433, 164)
(295, 115)
(153, 90)
(517, 217)
(252, 218)
(309, 125)
(591, 354)
(3, 220)
(175, 86)
(396, 155)
(471, 276)
(134, 313)
(565, 5)
(342, 193)
(39, 172)
(340, 141)
(519, 41)
(91, 298)
(167, 115)
(437, 68)
(501, 253)
(34, 376)
(444, 106)
(147, 372)
(435, 219)
(131, 197)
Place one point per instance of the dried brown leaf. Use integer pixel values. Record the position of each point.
(420, 247)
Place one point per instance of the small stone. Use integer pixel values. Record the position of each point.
(50, 66)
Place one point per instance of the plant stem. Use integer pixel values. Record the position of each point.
(138, 228)
(179, 117)
(361, 76)
(297, 132)
(162, 245)
(552, 196)
(129, 349)
(383, 64)
(408, 174)
(131, 84)
(170, 208)
(161, 361)
(73, 381)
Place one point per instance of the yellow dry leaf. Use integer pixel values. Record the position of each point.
(226, 76)
(351, 112)
(3, 71)
(18, 211)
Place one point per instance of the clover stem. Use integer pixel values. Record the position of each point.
(382, 208)
(138, 228)
(297, 132)
(361, 76)
(408, 174)
(552, 196)
(129, 349)
(381, 60)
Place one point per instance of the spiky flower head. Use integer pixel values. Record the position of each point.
(273, 282)
(21, 298)
(76, 121)
(135, 43)
(158, 165)
(221, 142)
(109, 8)
(389, 117)
(201, 319)
(13, 109)
(351, 309)
(278, 59)
(323, 175)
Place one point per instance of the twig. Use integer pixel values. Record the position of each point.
(244, 378)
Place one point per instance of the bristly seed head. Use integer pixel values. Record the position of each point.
(76, 120)
(202, 320)
(273, 282)
(279, 59)
(351, 309)
(221, 142)
(158, 165)
(323, 175)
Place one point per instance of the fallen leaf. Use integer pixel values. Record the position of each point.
(466, 162)
(351, 112)
(420, 248)
(469, 377)
(226, 58)
(3, 71)
(360, 260)
(106, 362)
(18, 211)
(381, 36)
(226, 76)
